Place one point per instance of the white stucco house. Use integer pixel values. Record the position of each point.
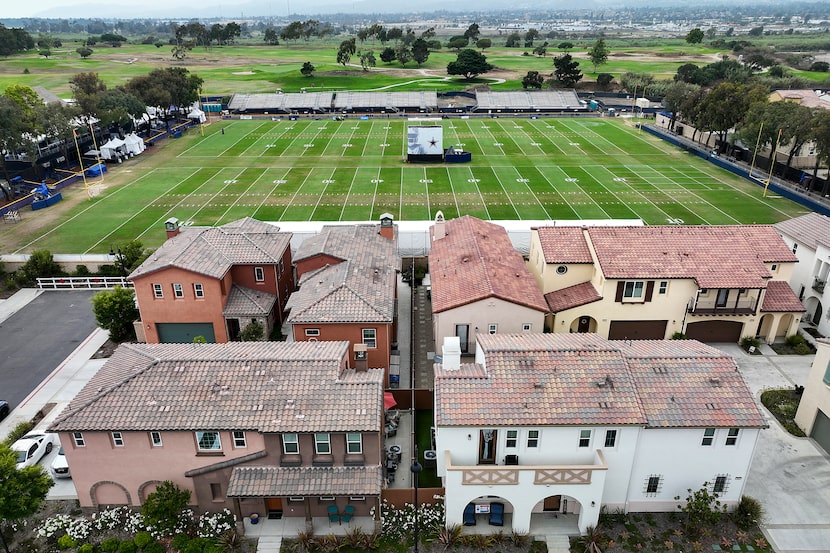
(813, 415)
(564, 424)
(808, 236)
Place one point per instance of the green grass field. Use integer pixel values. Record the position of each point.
(355, 170)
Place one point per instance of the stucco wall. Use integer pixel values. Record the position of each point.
(479, 315)
(816, 393)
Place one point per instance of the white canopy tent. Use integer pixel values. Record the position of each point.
(198, 115)
(114, 148)
(135, 145)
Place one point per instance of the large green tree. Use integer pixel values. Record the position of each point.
(695, 36)
(347, 49)
(725, 106)
(793, 122)
(115, 311)
(119, 107)
(12, 128)
(162, 88)
(420, 51)
(22, 491)
(469, 63)
(598, 53)
(163, 508)
(675, 98)
(472, 33)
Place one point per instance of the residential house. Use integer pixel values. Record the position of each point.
(813, 415)
(255, 427)
(347, 279)
(569, 424)
(710, 283)
(480, 283)
(808, 236)
(213, 281)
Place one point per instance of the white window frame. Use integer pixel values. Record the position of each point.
(239, 440)
(370, 342)
(295, 499)
(732, 436)
(708, 437)
(663, 287)
(354, 439)
(158, 290)
(527, 327)
(653, 490)
(492, 328)
(178, 290)
(533, 439)
(633, 290)
(611, 435)
(322, 443)
(724, 480)
(201, 435)
(155, 438)
(294, 442)
(198, 290)
(312, 332)
(259, 274)
(78, 438)
(511, 440)
(117, 439)
(585, 438)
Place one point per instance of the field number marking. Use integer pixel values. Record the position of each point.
(231, 181)
(535, 144)
(426, 181)
(619, 179)
(347, 145)
(328, 181)
(574, 143)
(280, 181)
(308, 145)
(522, 180)
(377, 181)
(571, 180)
(498, 144)
(473, 180)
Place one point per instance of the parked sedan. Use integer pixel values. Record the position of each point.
(60, 468)
(4, 409)
(31, 448)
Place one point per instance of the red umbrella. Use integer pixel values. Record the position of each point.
(388, 400)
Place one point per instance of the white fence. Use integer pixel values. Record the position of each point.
(82, 283)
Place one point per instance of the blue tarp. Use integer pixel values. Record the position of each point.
(96, 170)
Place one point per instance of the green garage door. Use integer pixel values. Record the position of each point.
(821, 431)
(183, 333)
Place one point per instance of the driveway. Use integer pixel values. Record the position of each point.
(789, 475)
(38, 336)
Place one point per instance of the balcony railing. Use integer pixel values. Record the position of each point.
(542, 475)
(746, 305)
(818, 285)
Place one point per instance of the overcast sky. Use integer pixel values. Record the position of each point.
(160, 8)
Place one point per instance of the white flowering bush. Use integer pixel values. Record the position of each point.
(400, 523)
(55, 525)
(213, 525)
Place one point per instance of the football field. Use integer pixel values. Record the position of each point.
(355, 170)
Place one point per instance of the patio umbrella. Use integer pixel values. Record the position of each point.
(388, 400)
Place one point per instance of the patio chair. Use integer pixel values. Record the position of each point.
(497, 514)
(470, 515)
(334, 515)
(348, 513)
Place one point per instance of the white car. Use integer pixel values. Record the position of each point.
(60, 468)
(31, 448)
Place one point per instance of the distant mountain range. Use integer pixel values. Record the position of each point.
(177, 9)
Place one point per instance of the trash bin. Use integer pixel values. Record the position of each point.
(430, 457)
(394, 380)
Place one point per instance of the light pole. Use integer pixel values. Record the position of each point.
(416, 468)
(119, 260)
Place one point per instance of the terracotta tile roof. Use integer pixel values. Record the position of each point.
(260, 386)
(583, 379)
(344, 293)
(544, 379)
(476, 260)
(780, 298)
(714, 256)
(564, 245)
(683, 383)
(806, 97)
(245, 302)
(270, 481)
(572, 296)
(361, 244)
(212, 251)
(811, 229)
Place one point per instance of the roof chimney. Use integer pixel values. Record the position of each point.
(361, 361)
(387, 228)
(171, 226)
(451, 353)
(439, 231)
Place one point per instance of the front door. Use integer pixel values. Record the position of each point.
(817, 315)
(463, 333)
(584, 325)
(487, 447)
(233, 330)
(552, 503)
(274, 506)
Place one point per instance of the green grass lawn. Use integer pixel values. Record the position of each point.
(355, 170)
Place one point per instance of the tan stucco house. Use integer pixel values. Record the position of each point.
(710, 283)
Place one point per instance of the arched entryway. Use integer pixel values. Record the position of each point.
(816, 318)
(765, 327)
(583, 324)
(784, 325)
(556, 514)
(488, 514)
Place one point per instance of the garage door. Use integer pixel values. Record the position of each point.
(821, 431)
(637, 330)
(183, 333)
(715, 331)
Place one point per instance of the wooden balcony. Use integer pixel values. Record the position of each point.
(511, 475)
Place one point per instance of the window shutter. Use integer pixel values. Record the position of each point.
(620, 289)
(649, 290)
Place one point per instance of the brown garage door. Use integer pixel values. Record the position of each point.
(637, 330)
(715, 331)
